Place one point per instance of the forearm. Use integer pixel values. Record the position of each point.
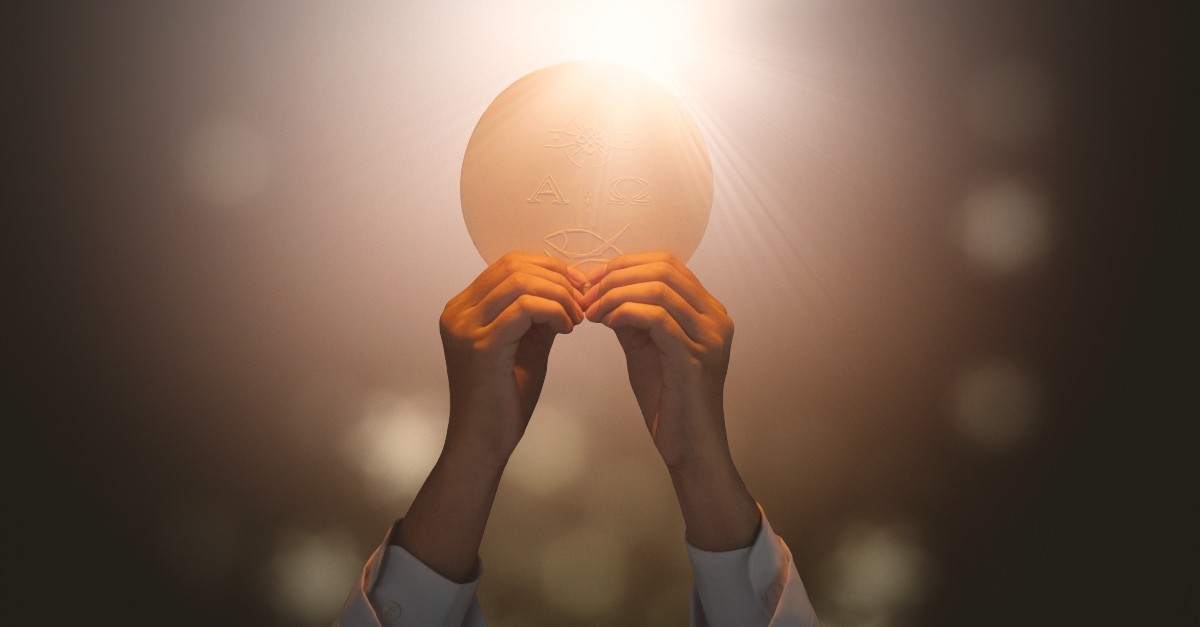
(718, 510)
(445, 524)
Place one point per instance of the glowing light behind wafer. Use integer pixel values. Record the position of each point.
(657, 37)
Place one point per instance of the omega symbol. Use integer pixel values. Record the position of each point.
(628, 189)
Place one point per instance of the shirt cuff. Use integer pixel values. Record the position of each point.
(752, 586)
(404, 592)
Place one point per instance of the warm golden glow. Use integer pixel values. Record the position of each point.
(657, 37)
(941, 232)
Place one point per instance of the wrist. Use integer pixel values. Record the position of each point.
(703, 474)
(719, 512)
(444, 525)
(473, 458)
(698, 462)
(467, 438)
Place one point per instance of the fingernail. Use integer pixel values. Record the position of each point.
(577, 275)
(595, 274)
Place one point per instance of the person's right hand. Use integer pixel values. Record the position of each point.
(497, 335)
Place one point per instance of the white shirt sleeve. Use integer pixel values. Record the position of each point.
(398, 590)
(757, 586)
(751, 587)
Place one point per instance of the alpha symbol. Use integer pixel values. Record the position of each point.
(548, 188)
(625, 190)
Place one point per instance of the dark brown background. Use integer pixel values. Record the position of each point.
(159, 351)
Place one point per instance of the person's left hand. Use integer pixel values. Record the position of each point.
(677, 340)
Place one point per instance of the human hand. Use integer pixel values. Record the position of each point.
(676, 337)
(497, 335)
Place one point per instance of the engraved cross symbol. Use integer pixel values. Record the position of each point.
(589, 144)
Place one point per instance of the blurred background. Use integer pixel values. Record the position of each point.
(950, 234)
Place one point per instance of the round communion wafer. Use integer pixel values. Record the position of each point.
(585, 161)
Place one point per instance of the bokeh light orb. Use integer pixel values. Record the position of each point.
(227, 162)
(1005, 226)
(997, 405)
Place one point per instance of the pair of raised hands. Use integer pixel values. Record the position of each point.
(497, 335)
(498, 332)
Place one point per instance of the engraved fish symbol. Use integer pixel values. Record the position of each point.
(572, 244)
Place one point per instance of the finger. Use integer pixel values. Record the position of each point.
(637, 259)
(656, 271)
(536, 284)
(664, 331)
(546, 267)
(575, 275)
(526, 311)
(514, 262)
(652, 293)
